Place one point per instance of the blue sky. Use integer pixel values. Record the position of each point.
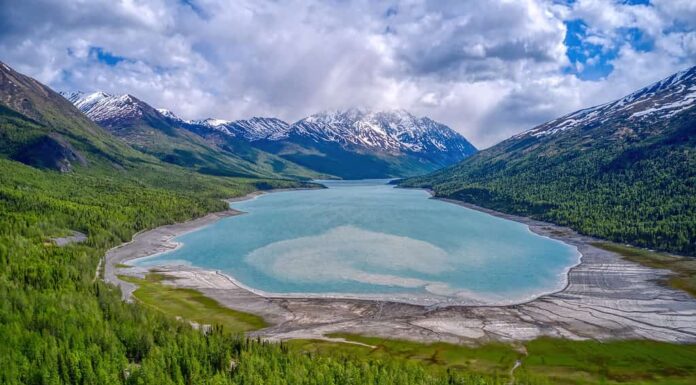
(591, 61)
(488, 72)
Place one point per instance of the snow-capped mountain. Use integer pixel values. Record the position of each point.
(256, 128)
(393, 131)
(393, 140)
(101, 107)
(658, 101)
(112, 111)
(388, 131)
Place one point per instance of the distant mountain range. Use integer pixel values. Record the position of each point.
(624, 170)
(347, 144)
(188, 145)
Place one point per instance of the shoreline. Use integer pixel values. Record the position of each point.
(579, 310)
(152, 242)
(535, 227)
(428, 301)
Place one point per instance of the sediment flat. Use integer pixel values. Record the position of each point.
(606, 298)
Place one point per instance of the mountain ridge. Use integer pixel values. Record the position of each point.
(153, 132)
(666, 103)
(623, 170)
(382, 144)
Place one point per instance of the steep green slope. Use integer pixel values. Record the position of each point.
(173, 144)
(39, 127)
(624, 171)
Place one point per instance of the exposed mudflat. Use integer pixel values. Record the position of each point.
(606, 298)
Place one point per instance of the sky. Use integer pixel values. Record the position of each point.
(487, 69)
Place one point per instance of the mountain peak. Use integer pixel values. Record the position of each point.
(103, 107)
(391, 131)
(168, 114)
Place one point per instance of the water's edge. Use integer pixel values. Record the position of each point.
(169, 244)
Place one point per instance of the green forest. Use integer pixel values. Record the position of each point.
(60, 325)
(637, 189)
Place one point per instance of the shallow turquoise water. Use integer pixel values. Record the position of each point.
(368, 239)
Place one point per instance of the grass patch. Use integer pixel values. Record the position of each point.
(122, 266)
(616, 362)
(547, 360)
(490, 359)
(683, 267)
(191, 304)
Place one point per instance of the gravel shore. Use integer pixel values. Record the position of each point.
(606, 298)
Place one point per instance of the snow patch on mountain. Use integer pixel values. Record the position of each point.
(258, 128)
(169, 114)
(391, 131)
(101, 107)
(395, 131)
(216, 122)
(661, 100)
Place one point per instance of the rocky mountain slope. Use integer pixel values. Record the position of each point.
(394, 131)
(659, 101)
(624, 170)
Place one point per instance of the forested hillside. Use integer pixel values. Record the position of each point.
(60, 324)
(624, 171)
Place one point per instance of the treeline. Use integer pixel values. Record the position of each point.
(60, 326)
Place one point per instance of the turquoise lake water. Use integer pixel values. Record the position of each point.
(367, 239)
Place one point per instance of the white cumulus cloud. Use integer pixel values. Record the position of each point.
(487, 71)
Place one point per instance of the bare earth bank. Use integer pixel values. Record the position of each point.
(606, 298)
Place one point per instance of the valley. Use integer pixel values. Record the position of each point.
(132, 179)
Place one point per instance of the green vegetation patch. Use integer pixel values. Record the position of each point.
(543, 361)
(683, 267)
(492, 361)
(617, 362)
(191, 305)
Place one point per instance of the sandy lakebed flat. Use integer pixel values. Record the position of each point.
(607, 297)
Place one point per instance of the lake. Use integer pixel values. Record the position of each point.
(367, 239)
